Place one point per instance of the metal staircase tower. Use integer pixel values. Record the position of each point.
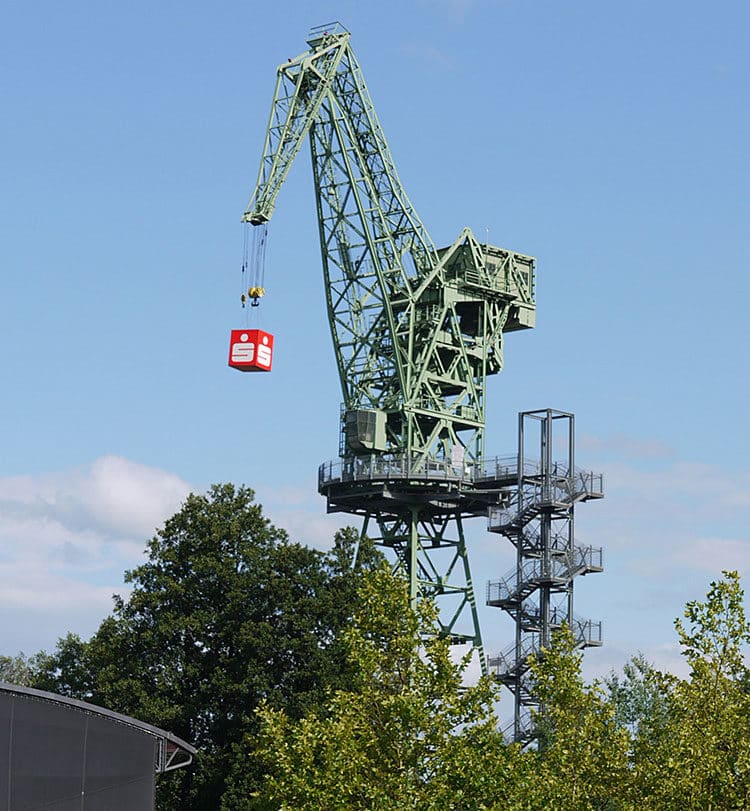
(538, 519)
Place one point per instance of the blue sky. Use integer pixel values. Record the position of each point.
(608, 140)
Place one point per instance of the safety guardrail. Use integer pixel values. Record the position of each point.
(379, 466)
(586, 633)
(375, 467)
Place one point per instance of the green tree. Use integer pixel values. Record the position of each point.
(226, 613)
(699, 758)
(21, 669)
(405, 735)
(303, 682)
(582, 758)
(638, 695)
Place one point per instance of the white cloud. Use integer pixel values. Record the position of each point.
(429, 55)
(666, 657)
(311, 529)
(456, 10)
(624, 445)
(682, 514)
(27, 588)
(65, 540)
(708, 553)
(113, 498)
(668, 527)
(302, 513)
(129, 499)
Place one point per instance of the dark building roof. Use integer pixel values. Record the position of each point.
(172, 752)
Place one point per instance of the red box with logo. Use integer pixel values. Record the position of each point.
(251, 350)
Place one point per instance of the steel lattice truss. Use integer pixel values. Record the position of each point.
(416, 330)
(433, 550)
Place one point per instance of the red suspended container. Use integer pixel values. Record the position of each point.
(251, 350)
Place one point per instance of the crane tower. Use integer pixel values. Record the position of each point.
(416, 330)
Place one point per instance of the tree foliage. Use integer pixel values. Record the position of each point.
(405, 734)
(637, 695)
(651, 741)
(21, 669)
(582, 757)
(225, 613)
(308, 683)
(697, 754)
(408, 736)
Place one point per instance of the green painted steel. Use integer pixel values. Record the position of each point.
(416, 329)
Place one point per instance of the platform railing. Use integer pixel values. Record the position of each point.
(507, 661)
(587, 559)
(586, 633)
(526, 729)
(375, 467)
(498, 468)
(534, 571)
(515, 585)
(561, 494)
(380, 466)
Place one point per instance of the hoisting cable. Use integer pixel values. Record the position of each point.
(256, 291)
(243, 288)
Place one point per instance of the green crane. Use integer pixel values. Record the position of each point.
(416, 329)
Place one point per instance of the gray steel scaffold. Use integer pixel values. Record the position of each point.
(538, 519)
